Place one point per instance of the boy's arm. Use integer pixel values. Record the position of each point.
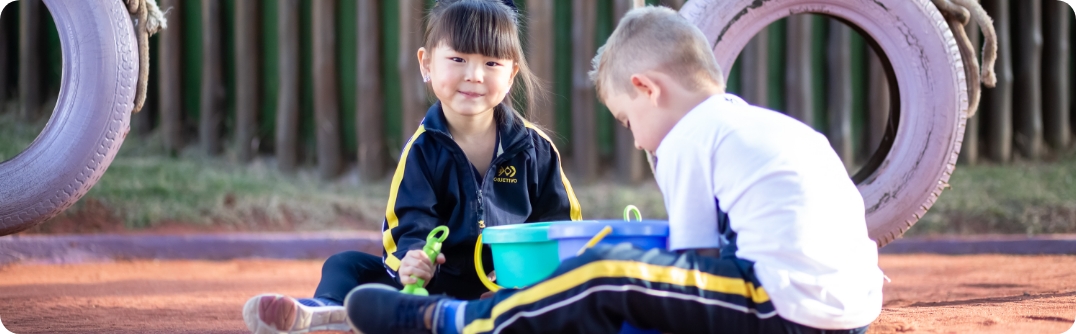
(410, 214)
(684, 173)
(553, 197)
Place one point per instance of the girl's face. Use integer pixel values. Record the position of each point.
(467, 84)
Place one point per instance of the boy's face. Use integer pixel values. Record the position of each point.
(641, 116)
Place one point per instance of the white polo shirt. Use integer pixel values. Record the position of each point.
(795, 211)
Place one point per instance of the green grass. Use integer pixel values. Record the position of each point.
(1021, 198)
(16, 135)
(145, 188)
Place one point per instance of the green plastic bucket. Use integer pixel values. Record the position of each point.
(522, 253)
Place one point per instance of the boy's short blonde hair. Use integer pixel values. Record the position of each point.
(655, 38)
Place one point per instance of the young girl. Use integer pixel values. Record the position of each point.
(473, 162)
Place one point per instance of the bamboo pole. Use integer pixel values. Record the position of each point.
(674, 4)
(5, 56)
(969, 152)
(30, 51)
(1027, 84)
(1072, 83)
(755, 69)
(287, 114)
(1055, 74)
(541, 57)
(584, 125)
(370, 119)
(798, 76)
(170, 82)
(630, 162)
(998, 102)
(212, 113)
(247, 82)
(326, 89)
(413, 91)
(840, 90)
(879, 102)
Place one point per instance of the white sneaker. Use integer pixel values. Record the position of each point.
(4, 330)
(280, 314)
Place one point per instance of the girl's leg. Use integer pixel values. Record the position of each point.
(347, 270)
(275, 313)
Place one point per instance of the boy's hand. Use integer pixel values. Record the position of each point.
(418, 264)
(492, 277)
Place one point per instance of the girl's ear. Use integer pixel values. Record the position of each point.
(512, 79)
(423, 61)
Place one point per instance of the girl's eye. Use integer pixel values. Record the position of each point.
(492, 63)
(456, 59)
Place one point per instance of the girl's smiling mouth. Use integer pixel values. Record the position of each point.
(471, 94)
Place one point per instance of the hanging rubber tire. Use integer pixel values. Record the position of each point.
(908, 172)
(91, 119)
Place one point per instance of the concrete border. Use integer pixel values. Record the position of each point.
(59, 249)
(56, 249)
(1055, 244)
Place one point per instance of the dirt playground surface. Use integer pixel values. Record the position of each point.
(928, 294)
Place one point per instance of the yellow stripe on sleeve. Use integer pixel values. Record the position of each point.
(575, 213)
(390, 214)
(620, 269)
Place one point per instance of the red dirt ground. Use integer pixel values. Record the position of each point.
(929, 294)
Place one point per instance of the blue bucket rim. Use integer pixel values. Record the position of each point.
(621, 228)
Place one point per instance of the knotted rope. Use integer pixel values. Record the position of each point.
(958, 13)
(148, 20)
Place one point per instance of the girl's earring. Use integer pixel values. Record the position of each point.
(426, 77)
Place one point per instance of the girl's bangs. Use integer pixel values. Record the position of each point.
(477, 27)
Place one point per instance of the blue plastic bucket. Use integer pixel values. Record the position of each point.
(646, 234)
(573, 236)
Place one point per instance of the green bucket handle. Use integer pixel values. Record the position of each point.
(632, 209)
(629, 211)
(432, 249)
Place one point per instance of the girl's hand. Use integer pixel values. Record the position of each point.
(418, 264)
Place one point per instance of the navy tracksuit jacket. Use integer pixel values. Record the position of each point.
(434, 184)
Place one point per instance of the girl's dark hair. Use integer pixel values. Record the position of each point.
(489, 28)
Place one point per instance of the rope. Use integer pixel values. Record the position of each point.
(958, 13)
(148, 20)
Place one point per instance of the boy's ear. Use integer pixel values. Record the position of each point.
(644, 84)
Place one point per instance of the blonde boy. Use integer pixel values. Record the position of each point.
(766, 230)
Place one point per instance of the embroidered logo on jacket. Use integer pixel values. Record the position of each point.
(506, 174)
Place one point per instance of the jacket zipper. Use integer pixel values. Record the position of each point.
(492, 165)
(481, 210)
(481, 201)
